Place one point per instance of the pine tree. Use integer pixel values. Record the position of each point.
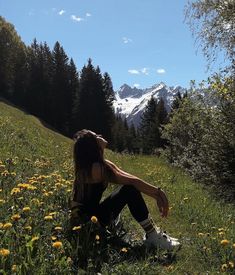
(149, 128)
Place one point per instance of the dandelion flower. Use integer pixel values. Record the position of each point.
(53, 238)
(15, 190)
(76, 228)
(48, 218)
(7, 225)
(26, 209)
(35, 238)
(124, 250)
(14, 268)
(57, 244)
(58, 228)
(224, 267)
(224, 242)
(94, 219)
(15, 217)
(4, 252)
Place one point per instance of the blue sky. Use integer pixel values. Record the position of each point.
(138, 42)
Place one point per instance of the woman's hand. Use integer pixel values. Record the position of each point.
(162, 202)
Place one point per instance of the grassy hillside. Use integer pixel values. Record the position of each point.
(36, 177)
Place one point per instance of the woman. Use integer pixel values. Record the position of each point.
(92, 174)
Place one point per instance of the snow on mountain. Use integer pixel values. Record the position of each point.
(131, 102)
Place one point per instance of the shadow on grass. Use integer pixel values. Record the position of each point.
(117, 247)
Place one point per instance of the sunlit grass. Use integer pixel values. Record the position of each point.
(36, 175)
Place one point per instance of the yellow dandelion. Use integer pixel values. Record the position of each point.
(35, 238)
(16, 217)
(48, 218)
(26, 209)
(52, 213)
(14, 268)
(224, 267)
(53, 238)
(76, 228)
(94, 219)
(7, 225)
(124, 250)
(4, 252)
(97, 237)
(15, 191)
(28, 227)
(57, 244)
(224, 242)
(58, 228)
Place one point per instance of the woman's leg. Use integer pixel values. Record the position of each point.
(125, 195)
(128, 195)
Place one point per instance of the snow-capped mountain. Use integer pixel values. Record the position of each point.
(131, 102)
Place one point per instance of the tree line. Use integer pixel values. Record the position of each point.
(46, 83)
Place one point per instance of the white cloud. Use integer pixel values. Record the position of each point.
(136, 85)
(145, 71)
(126, 40)
(88, 14)
(61, 12)
(161, 71)
(133, 71)
(76, 18)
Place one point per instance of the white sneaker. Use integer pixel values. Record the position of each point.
(161, 240)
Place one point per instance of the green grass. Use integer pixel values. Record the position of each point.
(38, 162)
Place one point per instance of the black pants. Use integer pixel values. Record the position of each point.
(128, 195)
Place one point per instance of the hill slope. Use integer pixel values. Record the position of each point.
(36, 177)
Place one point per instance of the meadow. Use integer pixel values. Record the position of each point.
(36, 237)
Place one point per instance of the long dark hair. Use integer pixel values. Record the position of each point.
(86, 152)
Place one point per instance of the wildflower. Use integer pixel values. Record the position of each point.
(58, 228)
(14, 268)
(26, 209)
(94, 219)
(28, 227)
(97, 237)
(231, 264)
(35, 238)
(76, 228)
(15, 217)
(224, 267)
(57, 244)
(15, 190)
(48, 218)
(7, 225)
(124, 250)
(224, 242)
(53, 238)
(4, 252)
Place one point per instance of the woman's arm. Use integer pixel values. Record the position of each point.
(124, 178)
